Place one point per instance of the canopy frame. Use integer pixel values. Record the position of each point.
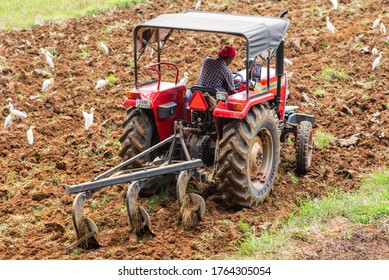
(261, 33)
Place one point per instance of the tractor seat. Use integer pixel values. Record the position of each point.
(211, 91)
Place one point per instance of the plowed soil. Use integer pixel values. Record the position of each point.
(35, 212)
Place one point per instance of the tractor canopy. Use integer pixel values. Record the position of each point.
(261, 33)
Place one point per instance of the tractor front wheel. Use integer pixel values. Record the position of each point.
(304, 147)
(248, 157)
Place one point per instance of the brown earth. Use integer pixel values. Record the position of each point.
(35, 213)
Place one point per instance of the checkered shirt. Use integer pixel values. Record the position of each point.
(215, 73)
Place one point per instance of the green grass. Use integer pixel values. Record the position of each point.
(322, 139)
(152, 203)
(320, 92)
(329, 73)
(84, 54)
(111, 79)
(24, 13)
(368, 205)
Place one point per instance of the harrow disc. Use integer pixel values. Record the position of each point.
(182, 183)
(192, 210)
(138, 217)
(192, 206)
(86, 230)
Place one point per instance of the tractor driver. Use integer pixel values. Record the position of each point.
(215, 72)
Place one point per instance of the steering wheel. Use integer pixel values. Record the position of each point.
(238, 79)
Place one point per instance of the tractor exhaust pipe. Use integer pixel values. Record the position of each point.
(279, 73)
(280, 68)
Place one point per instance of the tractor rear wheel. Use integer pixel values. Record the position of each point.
(248, 157)
(304, 147)
(139, 134)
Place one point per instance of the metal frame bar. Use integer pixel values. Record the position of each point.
(96, 185)
(127, 162)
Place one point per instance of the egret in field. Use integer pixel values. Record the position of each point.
(10, 106)
(30, 136)
(47, 83)
(104, 48)
(376, 22)
(383, 28)
(377, 61)
(19, 114)
(184, 79)
(287, 61)
(374, 51)
(48, 56)
(330, 26)
(198, 5)
(8, 121)
(100, 84)
(49, 60)
(45, 52)
(335, 4)
(88, 117)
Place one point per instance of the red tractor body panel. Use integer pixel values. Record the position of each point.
(150, 97)
(237, 105)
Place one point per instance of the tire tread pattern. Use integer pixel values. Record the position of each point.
(303, 146)
(233, 153)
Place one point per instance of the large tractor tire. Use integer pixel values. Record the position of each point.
(304, 147)
(248, 157)
(139, 134)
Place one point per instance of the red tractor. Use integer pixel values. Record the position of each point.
(201, 134)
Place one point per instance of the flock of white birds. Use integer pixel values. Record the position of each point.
(376, 24)
(47, 83)
(88, 117)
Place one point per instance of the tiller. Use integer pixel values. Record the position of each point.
(192, 205)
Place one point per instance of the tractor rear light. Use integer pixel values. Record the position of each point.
(133, 95)
(235, 106)
(197, 102)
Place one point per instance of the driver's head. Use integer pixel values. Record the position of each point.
(227, 53)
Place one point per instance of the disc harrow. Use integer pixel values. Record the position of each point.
(192, 205)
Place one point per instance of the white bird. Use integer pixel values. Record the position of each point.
(10, 106)
(184, 79)
(287, 61)
(49, 61)
(30, 136)
(198, 5)
(104, 48)
(330, 26)
(374, 51)
(47, 83)
(383, 28)
(376, 22)
(335, 4)
(45, 52)
(377, 61)
(18, 113)
(100, 84)
(88, 117)
(8, 121)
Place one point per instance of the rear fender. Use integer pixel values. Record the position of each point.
(167, 104)
(256, 96)
(237, 106)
